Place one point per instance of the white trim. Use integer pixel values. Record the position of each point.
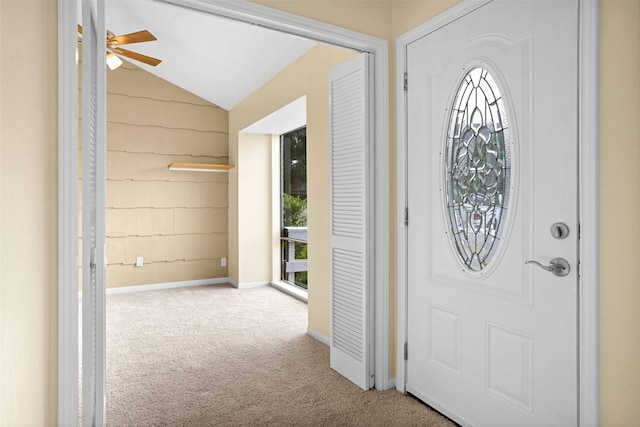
(589, 193)
(455, 12)
(320, 337)
(284, 22)
(94, 149)
(168, 285)
(303, 27)
(67, 215)
(588, 130)
(401, 206)
(294, 291)
(249, 285)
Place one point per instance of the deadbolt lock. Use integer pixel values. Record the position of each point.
(560, 230)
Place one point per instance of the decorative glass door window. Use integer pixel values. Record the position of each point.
(477, 169)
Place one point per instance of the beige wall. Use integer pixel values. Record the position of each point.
(307, 76)
(28, 224)
(28, 213)
(255, 235)
(620, 203)
(175, 220)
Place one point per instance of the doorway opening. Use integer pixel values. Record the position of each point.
(378, 223)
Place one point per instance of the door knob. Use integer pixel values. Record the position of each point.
(558, 266)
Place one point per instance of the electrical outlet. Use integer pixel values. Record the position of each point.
(139, 261)
(223, 261)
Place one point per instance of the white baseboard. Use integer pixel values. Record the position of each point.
(317, 335)
(249, 285)
(392, 383)
(169, 285)
(246, 285)
(294, 291)
(183, 284)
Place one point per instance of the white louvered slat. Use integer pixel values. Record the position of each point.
(348, 221)
(348, 133)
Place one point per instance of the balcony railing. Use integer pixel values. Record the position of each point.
(294, 244)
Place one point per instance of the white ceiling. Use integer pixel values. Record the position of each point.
(290, 117)
(220, 60)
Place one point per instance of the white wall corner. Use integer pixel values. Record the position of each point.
(232, 282)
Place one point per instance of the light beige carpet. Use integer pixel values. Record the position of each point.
(219, 356)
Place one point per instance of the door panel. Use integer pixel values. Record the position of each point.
(495, 342)
(350, 350)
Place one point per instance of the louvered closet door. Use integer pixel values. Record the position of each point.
(350, 302)
(93, 212)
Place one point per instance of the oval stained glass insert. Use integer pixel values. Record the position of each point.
(478, 169)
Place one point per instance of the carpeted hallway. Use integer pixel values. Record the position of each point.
(218, 356)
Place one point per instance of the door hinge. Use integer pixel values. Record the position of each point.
(406, 216)
(406, 81)
(406, 351)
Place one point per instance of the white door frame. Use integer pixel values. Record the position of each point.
(67, 214)
(588, 194)
(68, 174)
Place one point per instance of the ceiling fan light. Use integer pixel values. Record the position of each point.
(113, 61)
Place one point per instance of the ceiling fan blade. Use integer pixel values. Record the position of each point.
(137, 37)
(137, 56)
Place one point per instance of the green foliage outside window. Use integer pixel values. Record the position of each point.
(295, 215)
(295, 211)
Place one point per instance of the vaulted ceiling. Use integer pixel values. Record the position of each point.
(220, 60)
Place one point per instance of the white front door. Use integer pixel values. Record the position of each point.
(492, 169)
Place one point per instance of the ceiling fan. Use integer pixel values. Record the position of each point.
(113, 43)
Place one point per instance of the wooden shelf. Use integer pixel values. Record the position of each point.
(199, 167)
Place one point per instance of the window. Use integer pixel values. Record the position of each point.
(293, 149)
(478, 169)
